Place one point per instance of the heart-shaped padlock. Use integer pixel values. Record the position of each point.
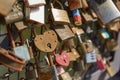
(46, 42)
(62, 59)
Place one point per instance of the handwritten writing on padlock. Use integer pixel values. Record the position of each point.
(62, 59)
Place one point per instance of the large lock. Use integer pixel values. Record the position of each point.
(57, 14)
(47, 41)
(6, 6)
(31, 72)
(15, 15)
(104, 10)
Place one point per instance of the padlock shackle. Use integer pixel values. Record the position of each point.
(58, 2)
(10, 36)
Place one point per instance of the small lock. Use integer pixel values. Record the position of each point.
(31, 72)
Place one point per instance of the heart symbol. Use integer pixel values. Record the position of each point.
(46, 42)
(62, 59)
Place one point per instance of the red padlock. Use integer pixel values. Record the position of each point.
(100, 64)
(62, 59)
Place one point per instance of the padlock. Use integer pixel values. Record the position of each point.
(11, 61)
(104, 34)
(57, 14)
(112, 45)
(91, 57)
(87, 16)
(104, 10)
(74, 4)
(20, 51)
(79, 65)
(37, 15)
(100, 63)
(64, 32)
(110, 69)
(48, 40)
(15, 15)
(65, 76)
(77, 17)
(62, 59)
(20, 25)
(34, 3)
(31, 72)
(114, 26)
(6, 6)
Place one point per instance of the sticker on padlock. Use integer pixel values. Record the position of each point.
(57, 14)
(11, 61)
(91, 57)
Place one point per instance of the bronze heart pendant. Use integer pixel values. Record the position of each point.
(46, 42)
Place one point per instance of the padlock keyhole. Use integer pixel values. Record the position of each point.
(49, 45)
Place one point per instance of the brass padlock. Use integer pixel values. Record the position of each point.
(64, 32)
(20, 25)
(57, 14)
(15, 15)
(31, 72)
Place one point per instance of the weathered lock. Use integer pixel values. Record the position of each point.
(57, 14)
(6, 6)
(20, 25)
(11, 61)
(15, 15)
(64, 32)
(34, 3)
(31, 72)
(48, 40)
(20, 51)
